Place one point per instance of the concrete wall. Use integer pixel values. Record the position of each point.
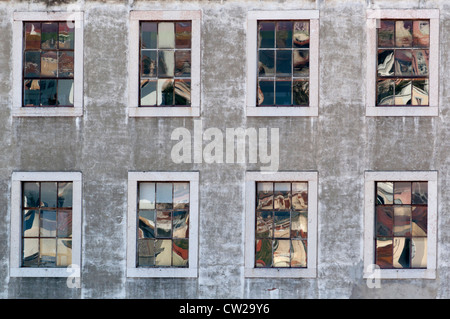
(341, 143)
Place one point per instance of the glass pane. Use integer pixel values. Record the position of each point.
(182, 92)
(265, 196)
(180, 195)
(32, 64)
(402, 193)
(266, 63)
(48, 92)
(282, 224)
(385, 193)
(419, 220)
(65, 195)
(148, 63)
(47, 252)
(165, 92)
(299, 225)
(166, 35)
(420, 64)
(163, 252)
(66, 37)
(281, 253)
(32, 35)
(65, 92)
(384, 220)
(183, 63)
(30, 194)
(148, 93)
(384, 252)
(166, 63)
(284, 63)
(183, 32)
(49, 35)
(147, 220)
(30, 223)
(282, 198)
(401, 252)
(263, 254)
(385, 92)
(266, 35)
(284, 34)
(64, 249)
(147, 193)
(149, 35)
(266, 95)
(301, 92)
(402, 221)
(301, 34)
(264, 225)
(403, 63)
(49, 194)
(403, 33)
(49, 63)
(283, 93)
(65, 64)
(386, 33)
(419, 253)
(65, 224)
(30, 252)
(299, 253)
(180, 224)
(419, 192)
(300, 196)
(385, 63)
(48, 223)
(403, 90)
(164, 196)
(301, 62)
(421, 33)
(31, 93)
(163, 224)
(180, 256)
(146, 252)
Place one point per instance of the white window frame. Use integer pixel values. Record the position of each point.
(370, 271)
(134, 110)
(16, 224)
(373, 16)
(17, 109)
(250, 270)
(169, 272)
(252, 63)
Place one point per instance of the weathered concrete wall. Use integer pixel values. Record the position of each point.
(341, 143)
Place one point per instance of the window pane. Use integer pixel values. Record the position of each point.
(64, 248)
(64, 224)
(403, 90)
(419, 220)
(148, 63)
(301, 34)
(48, 92)
(384, 221)
(149, 35)
(180, 224)
(147, 193)
(263, 254)
(299, 225)
(386, 33)
(66, 36)
(182, 92)
(266, 93)
(403, 34)
(49, 35)
(281, 253)
(49, 194)
(183, 63)
(284, 63)
(47, 252)
(299, 196)
(49, 64)
(163, 249)
(163, 224)
(282, 225)
(32, 64)
(282, 196)
(30, 223)
(181, 195)
(403, 63)
(420, 192)
(419, 258)
(32, 35)
(166, 35)
(301, 62)
(283, 91)
(48, 223)
(65, 92)
(266, 63)
(265, 195)
(301, 92)
(148, 93)
(402, 221)
(165, 92)
(183, 32)
(147, 222)
(421, 33)
(31, 95)
(402, 193)
(30, 252)
(65, 64)
(166, 63)
(385, 92)
(65, 194)
(299, 253)
(146, 252)
(383, 254)
(385, 193)
(385, 62)
(401, 252)
(284, 34)
(180, 254)
(266, 34)
(30, 194)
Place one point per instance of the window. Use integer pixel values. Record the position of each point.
(163, 224)
(401, 223)
(46, 224)
(281, 224)
(165, 56)
(48, 71)
(403, 56)
(282, 57)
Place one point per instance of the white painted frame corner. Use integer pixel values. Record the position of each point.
(250, 195)
(16, 224)
(162, 272)
(371, 33)
(252, 63)
(370, 178)
(73, 111)
(134, 110)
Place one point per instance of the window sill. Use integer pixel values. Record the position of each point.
(273, 111)
(280, 273)
(170, 111)
(402, 111)
(47, 112)
(162, 273)
(401, 274)
(45, 272)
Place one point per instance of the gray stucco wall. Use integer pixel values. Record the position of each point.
(341, 143)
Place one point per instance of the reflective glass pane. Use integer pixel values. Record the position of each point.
(64, 224)
(401, 252)
(182, 92)
(301, 62)
(32, 64)
(49, 63)
(419, 220)
(146, 252)
(30, 223)
(183, 32)
(385, 193)
(30, 194)
(265, 196)
(49, 35)
(148, 92)
(30, 252)
(166, 35)
(263, 254)
(165, 92)
(147, 193)
(301, 34)
(264, 224)
(49, 194)
(166, 63)
(65, 92)
(402, 221)
(283, 95)
(48, 92)
(266, 63)
(149, 31)
(403, 90)
(266, 35)
(163, 224)
(180, 195)
(420, 192)
(65, 64)
(403, 63)
(420, 62)
(385, 92)
(281, 253)
(403, 33)
(164, 196)
(385, 62)
(299, 224)
(421, 33)
(284, 34)
(386, 33)
(65, 194)
(282, 196)
(299, 253)
(148, 63)
(163, 252)
(64, 249)
(66, 36)
(147, 221)
(284, 63)
(300, 196)
(402, 193)
(282, 224)
(183, 63)
(31, 93)
(180, 249)
(32, 35)
(384, 221)
(47, 252)
(419, 253)
(266, 93)
(383, 254)
(180, 224)
(48, 223)
(300, 91)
